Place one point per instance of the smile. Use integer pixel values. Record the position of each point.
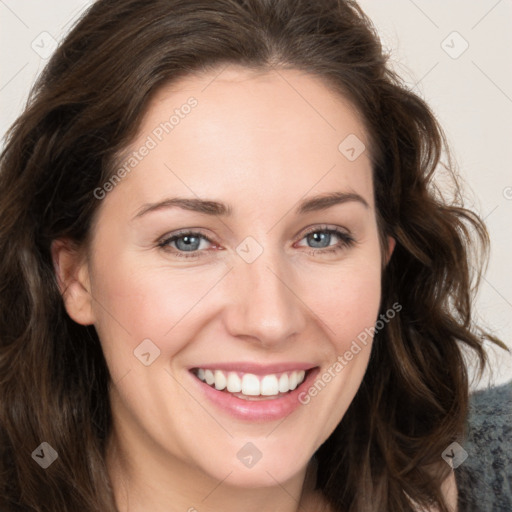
(252, 392)
(251, 385)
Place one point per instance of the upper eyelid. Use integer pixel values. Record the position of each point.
(306, 231)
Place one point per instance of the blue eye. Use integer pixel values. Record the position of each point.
(321, 239)
(187, 244)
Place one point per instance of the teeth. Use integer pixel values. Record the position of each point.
(220, 380)
(293, 380)
(234, 383)
(269, 385)
(252, 385)
(283, 383)
(208, 377)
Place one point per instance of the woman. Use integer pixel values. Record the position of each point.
(227, 279)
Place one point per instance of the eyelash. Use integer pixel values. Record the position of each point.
(346, 241)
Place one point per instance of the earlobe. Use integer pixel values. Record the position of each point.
(390, 248)
(72, 275)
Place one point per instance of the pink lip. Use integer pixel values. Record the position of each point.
(256, 369)
(256, 411)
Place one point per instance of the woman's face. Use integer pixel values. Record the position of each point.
(259, 295)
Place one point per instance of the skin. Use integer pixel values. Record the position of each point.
(260, 142)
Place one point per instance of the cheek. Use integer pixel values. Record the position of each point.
(135, 302)
(355, 305)
(347, 299)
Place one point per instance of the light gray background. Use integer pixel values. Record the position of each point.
(456, 54)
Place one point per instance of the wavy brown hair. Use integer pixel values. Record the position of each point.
(85, 109)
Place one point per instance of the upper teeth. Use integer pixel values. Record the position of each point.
(250, 384)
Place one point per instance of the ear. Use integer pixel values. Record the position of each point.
(72, 272)
(390, 248)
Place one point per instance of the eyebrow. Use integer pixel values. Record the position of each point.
(211, 207)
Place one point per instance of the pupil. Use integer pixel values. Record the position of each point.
(317, 237)
(188, 241)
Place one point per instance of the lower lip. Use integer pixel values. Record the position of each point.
(260, 410)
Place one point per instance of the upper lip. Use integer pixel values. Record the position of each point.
(255, 368)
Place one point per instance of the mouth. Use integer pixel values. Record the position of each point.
(249, 386)
(262, 394)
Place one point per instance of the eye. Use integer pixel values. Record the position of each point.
(321, 238)
(185, 242)
(189, 244)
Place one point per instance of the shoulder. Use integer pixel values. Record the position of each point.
(483, 478)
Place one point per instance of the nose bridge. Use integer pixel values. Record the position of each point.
(265, 306)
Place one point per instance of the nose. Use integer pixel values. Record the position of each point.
(264, 304)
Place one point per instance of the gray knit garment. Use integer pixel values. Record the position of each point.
(484, 479)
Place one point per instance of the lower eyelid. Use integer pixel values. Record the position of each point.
(345, 240)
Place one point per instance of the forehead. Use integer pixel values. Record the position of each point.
(281, 130)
